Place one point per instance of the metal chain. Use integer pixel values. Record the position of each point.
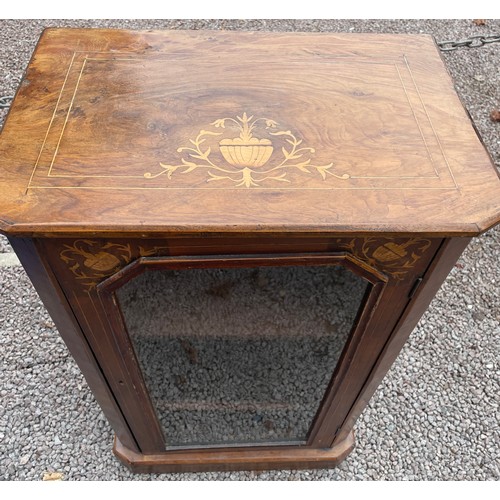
(5, 101)
(471, 42)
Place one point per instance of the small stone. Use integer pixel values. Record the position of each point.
(52, 476)
(57, 440)
(478, 316)
(24, 459)
(495, 115)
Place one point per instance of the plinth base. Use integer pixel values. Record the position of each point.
(237, 459)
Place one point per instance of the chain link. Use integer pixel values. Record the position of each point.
(471, 43)
(5, 101)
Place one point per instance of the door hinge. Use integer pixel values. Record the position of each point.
(415, 286)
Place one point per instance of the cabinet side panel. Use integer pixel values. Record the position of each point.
(30, 253)
(443, 262)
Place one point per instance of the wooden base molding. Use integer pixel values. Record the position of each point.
(237, 459)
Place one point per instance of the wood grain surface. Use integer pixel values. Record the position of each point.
(115, 132)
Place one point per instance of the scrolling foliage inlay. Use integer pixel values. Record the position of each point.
(247, 160)
(393, 257)
(92, 261)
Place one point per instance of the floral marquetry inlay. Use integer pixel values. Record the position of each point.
(261, 152)
(92, 261)
(396, 257)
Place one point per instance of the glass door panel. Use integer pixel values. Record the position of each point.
(239, 356)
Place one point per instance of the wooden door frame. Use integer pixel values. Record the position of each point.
(106, 291)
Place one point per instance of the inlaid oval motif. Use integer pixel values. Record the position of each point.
(91, 260)
(389, 252)
(102, 261)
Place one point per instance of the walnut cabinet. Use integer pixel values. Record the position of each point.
(235, 233)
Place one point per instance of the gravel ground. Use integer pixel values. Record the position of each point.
(435, 416)
(260, 376)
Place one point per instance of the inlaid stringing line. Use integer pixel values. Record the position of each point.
(67, 117)
(140, 176)
(50, 123)
(431, 124)
(371, 188)
(416, 121)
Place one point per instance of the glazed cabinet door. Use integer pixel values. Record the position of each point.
(237, 344)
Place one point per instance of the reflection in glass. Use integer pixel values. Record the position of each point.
(238, 356)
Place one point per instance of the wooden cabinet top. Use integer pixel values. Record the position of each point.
(128, 132)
